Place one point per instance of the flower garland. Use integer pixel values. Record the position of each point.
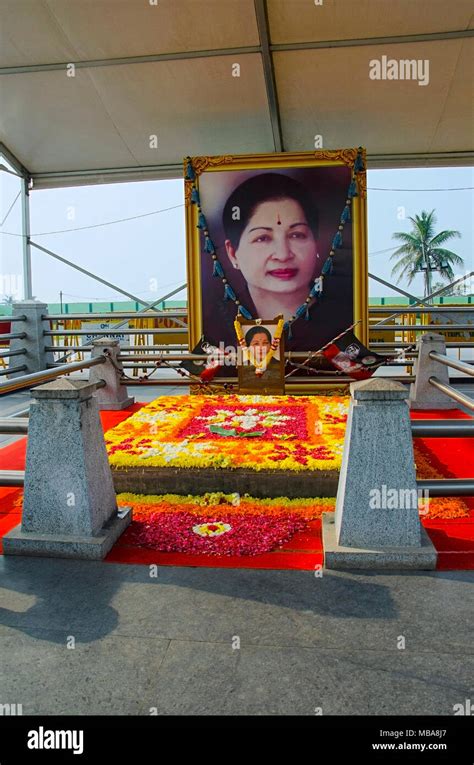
(327, 269)
(260, 366)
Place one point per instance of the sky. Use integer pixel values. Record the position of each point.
(147, 255)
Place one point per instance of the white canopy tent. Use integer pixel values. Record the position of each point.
(100, 91)
(85, 83)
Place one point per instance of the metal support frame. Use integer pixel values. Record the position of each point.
(26, 242)
(269, 72)
(89, 273)
(418, 301)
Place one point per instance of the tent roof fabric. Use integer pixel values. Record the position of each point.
(108, 90)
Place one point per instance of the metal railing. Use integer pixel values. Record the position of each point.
(110, 316)
(36, 378)
(456, 395)
(442, 428)
(448, 487)
(14, 425)
(458, 365)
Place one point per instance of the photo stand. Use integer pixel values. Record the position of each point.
(272, 381)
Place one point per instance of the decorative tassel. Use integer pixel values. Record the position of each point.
(346, 214)
(190, 175)
(328, 267)
(217, 270)
(246, 314)
(337, 241)
(229, 293)
(307, 314)
(209, 246)
(201, 221)
(290, 333)
(195, 196)
(301, 310)
(352, 190)
(359, 162)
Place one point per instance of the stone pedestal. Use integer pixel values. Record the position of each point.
(36, 358)
(113, 395)
(376, 523)
(423, 395)
(70, 507)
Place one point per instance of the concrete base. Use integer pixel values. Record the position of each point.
(106, 405)
(387, 558)
(257, 483)
(18, 542)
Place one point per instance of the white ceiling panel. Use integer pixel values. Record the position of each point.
(107, 117)
(50, 31)
(323, 93)
(295, 21)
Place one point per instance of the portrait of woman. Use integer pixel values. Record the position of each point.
(272, 230)
(258, 340)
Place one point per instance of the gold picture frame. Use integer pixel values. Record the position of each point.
(273, 162)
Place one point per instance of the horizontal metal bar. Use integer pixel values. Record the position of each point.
(179, 314)
(13, 336)
(375, 346)
(442, 428)
(12, 477)
(456, 395)
(336, 379)
(36, 378)
(422, 327)
(140, 348)
(12, 370)
(13, 318)
(460, 366)
(109, 332)
(448, 487)
(467, 307)
(238, 51)
(9, 354)
(14, 425)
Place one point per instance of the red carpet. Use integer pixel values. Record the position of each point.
(453, 538)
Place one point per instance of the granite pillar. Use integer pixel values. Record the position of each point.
(376, 523)
(70, 508)
(36, 357)
(114, 395)
(423, 395)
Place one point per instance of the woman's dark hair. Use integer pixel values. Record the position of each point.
(264, 188)
(249, 336)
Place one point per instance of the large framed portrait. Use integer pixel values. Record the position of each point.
(274, 234)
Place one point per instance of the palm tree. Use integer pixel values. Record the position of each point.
(422, 250)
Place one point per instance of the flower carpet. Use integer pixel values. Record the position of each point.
(252, 432)
(223, 530)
